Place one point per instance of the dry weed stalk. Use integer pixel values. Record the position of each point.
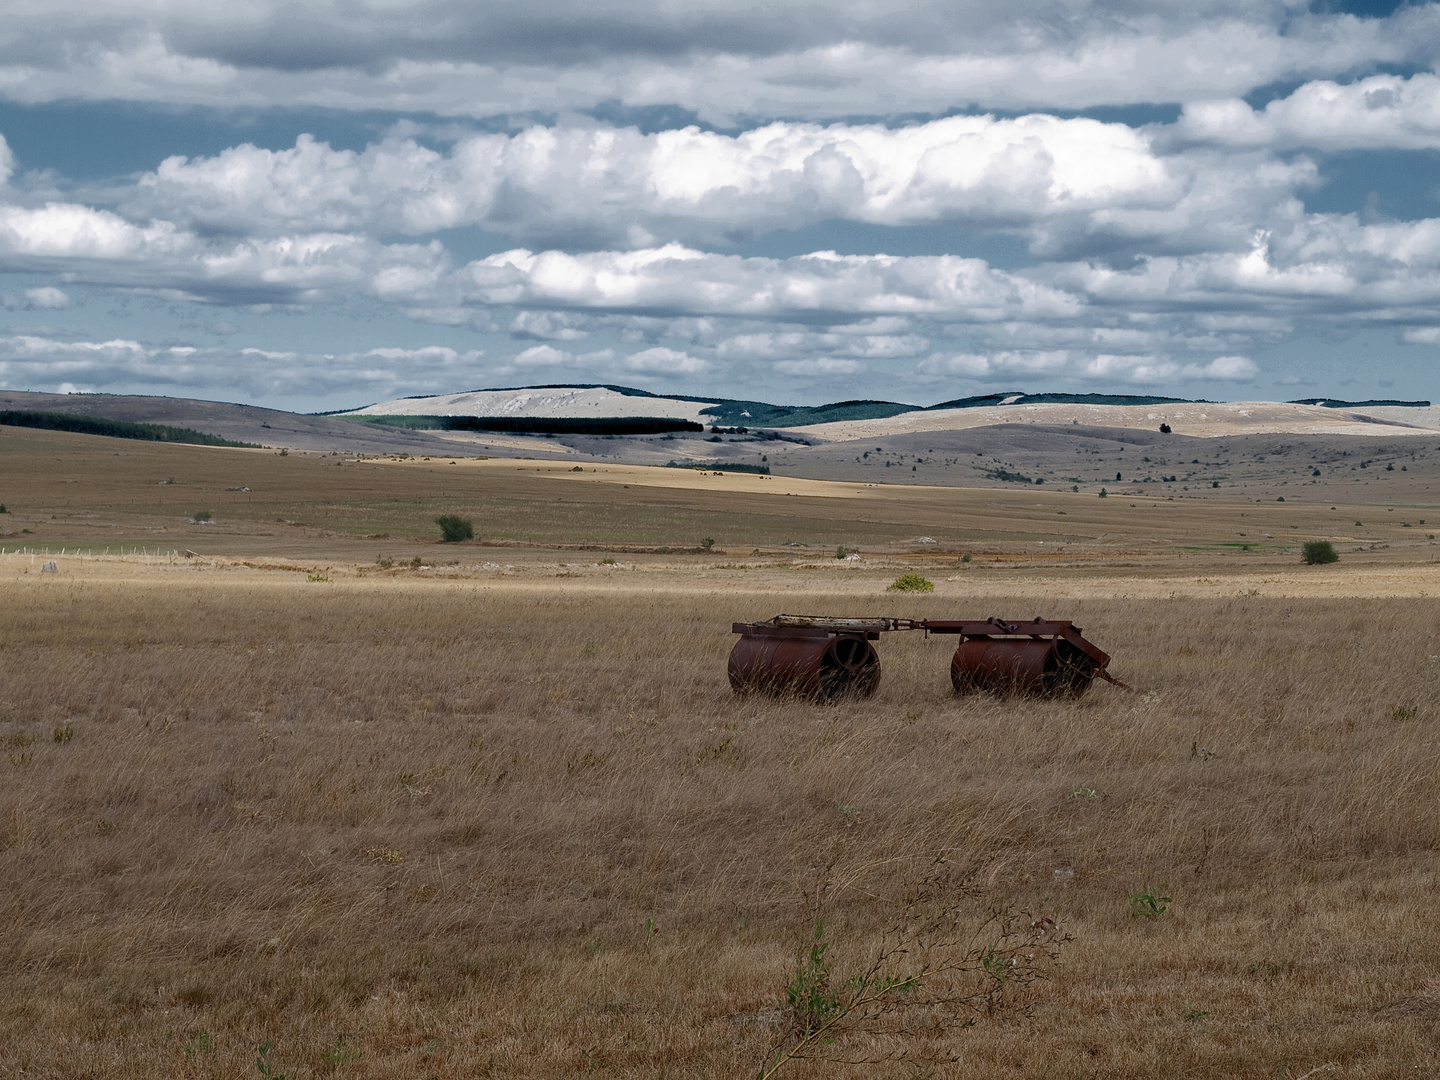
(936, 967)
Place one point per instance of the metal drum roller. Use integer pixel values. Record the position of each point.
(819, 663)
(1043, 667)
(822, 657)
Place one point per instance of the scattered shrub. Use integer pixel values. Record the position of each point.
(911, 583)
(454, 528)
(201, 515)
(1317, 552)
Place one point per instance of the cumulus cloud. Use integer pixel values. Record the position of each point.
(29, 361)
(101, 247)
(686, 281)
(43, 298)
(1077, 366)
(820, 366)
(602, 186)
(661, 360)
(1375, 113)
(47, 297)
(720, 59)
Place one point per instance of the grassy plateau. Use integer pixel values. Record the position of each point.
(298, 790)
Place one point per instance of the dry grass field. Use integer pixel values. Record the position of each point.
(503, 816)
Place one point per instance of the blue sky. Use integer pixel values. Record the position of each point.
(317, 205)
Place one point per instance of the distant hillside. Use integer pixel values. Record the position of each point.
(1335, 403)
(537, 425)
(1017, 398)
(115, 429)
(604, 401)
(759, 414)
(553, 402)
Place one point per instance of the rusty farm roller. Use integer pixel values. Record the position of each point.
(825, 658)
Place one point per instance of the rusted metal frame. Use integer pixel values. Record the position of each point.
(769, 630)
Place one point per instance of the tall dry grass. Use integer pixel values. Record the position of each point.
(465, 833)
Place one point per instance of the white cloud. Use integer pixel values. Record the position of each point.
(663, 361)
(721, 59)
(621, 187)
(683, 280)
(30, 361)
(543, 356)
(845, 340)
(46, 297)
(68, 230)
(1234, 368)
(1052, 362)
(1085, 367)
(820, 366)
(1379, 112)
(43, 298)
(101, 247)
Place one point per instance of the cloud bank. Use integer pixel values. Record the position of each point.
(623, 167)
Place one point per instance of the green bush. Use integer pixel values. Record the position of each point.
(1317, 552)
(911, 583)
(454, 528)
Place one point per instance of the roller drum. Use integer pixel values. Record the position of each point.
(1034, 667)
(818, 666)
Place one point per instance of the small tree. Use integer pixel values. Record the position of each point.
(1318, 552)
(454, 528)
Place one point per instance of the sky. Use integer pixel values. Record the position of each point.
(318, 205)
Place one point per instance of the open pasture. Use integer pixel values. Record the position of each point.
(104, 495)
(474, 820)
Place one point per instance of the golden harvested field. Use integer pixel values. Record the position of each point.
(498, 813)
